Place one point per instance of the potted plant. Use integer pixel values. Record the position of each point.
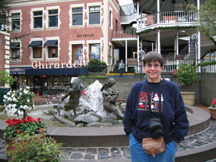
(17, 105)
(5, 82)
(32, 148)
(212, 109)
(187, 74)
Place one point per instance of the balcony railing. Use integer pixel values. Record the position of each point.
(127, 33)
(167, 17)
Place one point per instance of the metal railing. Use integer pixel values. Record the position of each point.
(167, 17)
(170, 69)
(127, 33)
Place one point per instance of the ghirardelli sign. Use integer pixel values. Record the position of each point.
(56, 65)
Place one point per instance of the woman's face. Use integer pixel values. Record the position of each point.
(153, 71)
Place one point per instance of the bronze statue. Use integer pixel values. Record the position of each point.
(110, 96)
(74, 93)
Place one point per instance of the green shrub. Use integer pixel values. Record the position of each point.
(187, 74)
(96, 65)
(207, 63)
(5, 78)
(35, 148)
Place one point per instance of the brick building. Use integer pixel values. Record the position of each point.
(5, 51)
(48, 37)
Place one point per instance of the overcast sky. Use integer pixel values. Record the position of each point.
(124, 2)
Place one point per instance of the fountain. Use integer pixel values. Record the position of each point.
(97, 105)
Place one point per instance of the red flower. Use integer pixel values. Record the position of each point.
(214, 102)
(15, 121)
(194, 66)
(18, 131)
(24, 120)
(31, 119)
(39, 119)
(83, 92)
(10, 124)
(8, 121)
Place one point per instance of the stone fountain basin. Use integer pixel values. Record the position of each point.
(112, 136)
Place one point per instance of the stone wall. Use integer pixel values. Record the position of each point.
(208, 91)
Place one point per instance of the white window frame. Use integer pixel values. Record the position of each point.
(71, 15)
(99, 4)
(31, 50)
(47, 17)
(47, 51)
(71, 43)
(20, 51)
(111, 19)
(110, 54)
(10, 20)
(94, 42)
(32, 18)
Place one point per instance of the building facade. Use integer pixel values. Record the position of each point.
(57, 37)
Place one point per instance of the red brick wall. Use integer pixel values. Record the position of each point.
(4, 48)
(65, 34)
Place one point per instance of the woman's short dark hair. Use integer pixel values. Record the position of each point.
(153, 56)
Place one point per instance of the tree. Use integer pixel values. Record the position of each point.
(207, 17)
(4, 9)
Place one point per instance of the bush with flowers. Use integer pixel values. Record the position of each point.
(18, 102)
(35, 148)
(27, 125)
(213, 104)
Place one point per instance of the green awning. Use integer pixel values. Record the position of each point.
(51, 43)
(35, 43)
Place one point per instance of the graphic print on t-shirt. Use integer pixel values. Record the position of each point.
(143, 102)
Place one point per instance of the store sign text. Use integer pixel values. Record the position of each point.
(85, 35)
(41, 65)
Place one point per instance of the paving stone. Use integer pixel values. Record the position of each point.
(103, 150)
(89, 157)
(91, 151)
(103, 156)
(126, 152)
(76, 156)
(115, 150)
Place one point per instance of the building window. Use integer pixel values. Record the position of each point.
(36, 49)
(77, 53)
(15, 21)
(38, 19)
(37, 52)
(110, 18)
(15, 50)
(110, 55)
(3, 21)
(53, 18)
(94, 51)
(52, 46)
(77, 16)
(94, 15)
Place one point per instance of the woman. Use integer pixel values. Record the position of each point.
(171, 112)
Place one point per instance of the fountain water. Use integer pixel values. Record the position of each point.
(92, 99)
